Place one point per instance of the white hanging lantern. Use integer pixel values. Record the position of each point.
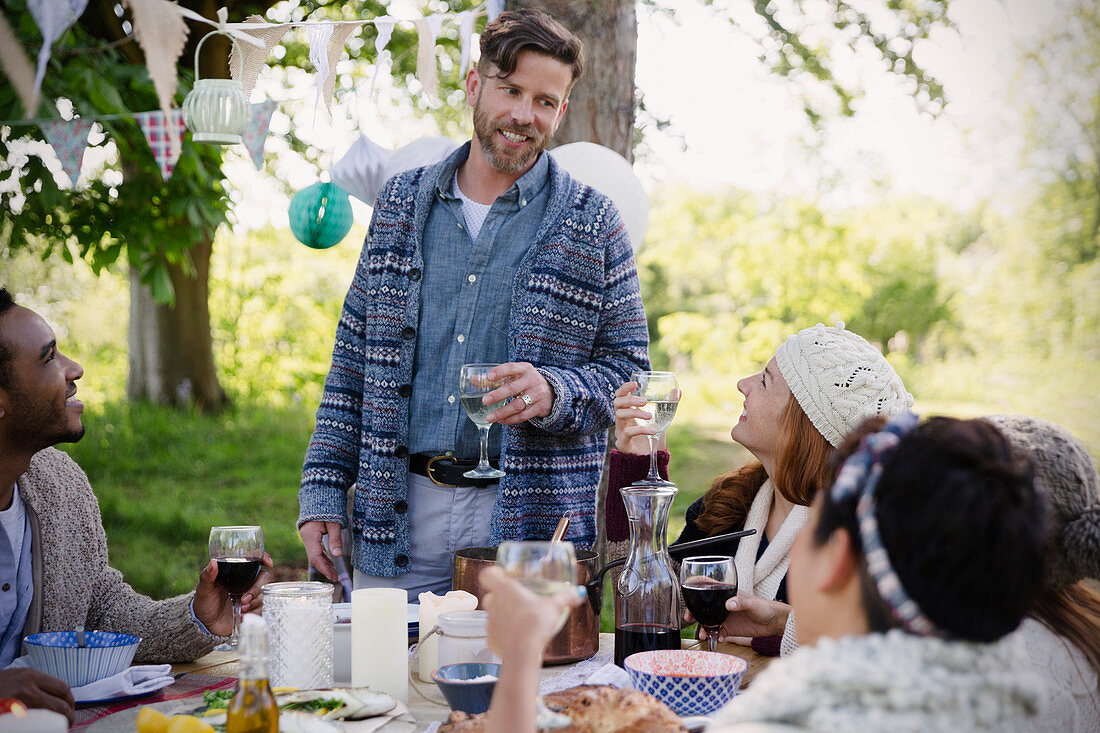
(215, 110)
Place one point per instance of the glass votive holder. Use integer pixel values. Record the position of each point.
(463, 638)
(299, 622)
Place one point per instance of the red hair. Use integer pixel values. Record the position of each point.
(801, 467)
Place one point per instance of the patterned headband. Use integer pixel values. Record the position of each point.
(859, 476)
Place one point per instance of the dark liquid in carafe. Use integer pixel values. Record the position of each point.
(633, 638)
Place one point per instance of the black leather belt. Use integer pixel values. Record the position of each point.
(447, 470)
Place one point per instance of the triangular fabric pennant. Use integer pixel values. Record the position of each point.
(319, 35)
(425, 57)
(384, 26)
(69, 139)
(256, 132)
(17, 67)
(159, 134)
(466, 21)
(52, 18)
(494, 8)
(247, 61)
(335, 51)
(161, 32)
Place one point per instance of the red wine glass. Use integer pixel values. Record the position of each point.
(708, 582)
(239, 552)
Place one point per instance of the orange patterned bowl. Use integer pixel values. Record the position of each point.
(690, 681)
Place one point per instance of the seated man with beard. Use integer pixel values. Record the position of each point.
(54, 573)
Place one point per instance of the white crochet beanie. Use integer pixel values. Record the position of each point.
(839, 379)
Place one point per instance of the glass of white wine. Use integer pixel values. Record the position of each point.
(473, 384)
(545, 568)
(661, 391)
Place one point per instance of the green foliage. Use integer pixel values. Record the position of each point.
(274, 305)
(127, 207)
(802, 42)
(720, 269)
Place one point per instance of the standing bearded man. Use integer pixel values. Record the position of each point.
(494, 255)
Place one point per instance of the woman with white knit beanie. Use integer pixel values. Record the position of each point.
(821, 383)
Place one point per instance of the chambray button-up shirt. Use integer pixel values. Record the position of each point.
(465, 302)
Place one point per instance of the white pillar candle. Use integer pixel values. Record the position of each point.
(380, 640)
(33, 721)
(431, 606)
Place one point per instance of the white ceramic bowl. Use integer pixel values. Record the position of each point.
(690, 681)
(56, 653)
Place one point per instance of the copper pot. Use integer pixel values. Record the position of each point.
(580, 637)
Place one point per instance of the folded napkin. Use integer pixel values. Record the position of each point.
(610, 674)
(138, 680)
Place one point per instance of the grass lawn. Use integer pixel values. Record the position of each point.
(163, 478)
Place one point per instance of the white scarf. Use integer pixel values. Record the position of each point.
(762, 577)
(890, 683)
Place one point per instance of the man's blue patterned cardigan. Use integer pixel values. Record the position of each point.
(576, 314)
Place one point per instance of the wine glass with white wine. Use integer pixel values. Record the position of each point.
(661, 391)
(473, 384)
(545, 568)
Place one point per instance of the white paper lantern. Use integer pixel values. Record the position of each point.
(215, 110)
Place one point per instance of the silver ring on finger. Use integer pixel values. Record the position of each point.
(526, 399)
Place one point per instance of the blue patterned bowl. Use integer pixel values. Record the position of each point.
(461, 685)
(56, 653)
(690, 681)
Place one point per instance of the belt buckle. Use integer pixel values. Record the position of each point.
(428, 470)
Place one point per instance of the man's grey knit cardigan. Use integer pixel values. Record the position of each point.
(576, 314)
(73, 582)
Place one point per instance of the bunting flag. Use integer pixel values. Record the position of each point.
(466, 21)
(256, 133)
(17, 67)
(319, 36)
(425, 56)
(69, 139)
(246, 61)
(384, 26)
(52, 17)
(159, 133)
(335, 51)
(161, 32)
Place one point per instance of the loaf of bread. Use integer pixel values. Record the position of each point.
(591, 709)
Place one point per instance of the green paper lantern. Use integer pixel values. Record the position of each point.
(320, 216)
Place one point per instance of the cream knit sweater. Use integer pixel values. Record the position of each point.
(73, 582)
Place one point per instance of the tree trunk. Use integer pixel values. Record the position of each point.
(171, 351)
(601, 105)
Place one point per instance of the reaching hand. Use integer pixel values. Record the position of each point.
(631, 437)
(522, 380)
(750, 617)
(312, 534)
(37, 690)
(212, 604)
(521, 623)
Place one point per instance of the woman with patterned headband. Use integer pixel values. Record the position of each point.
(927, 546)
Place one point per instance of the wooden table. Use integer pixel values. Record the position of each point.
(426, 703)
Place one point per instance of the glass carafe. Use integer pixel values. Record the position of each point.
(647, 604)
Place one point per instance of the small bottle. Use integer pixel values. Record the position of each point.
(253, 708)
